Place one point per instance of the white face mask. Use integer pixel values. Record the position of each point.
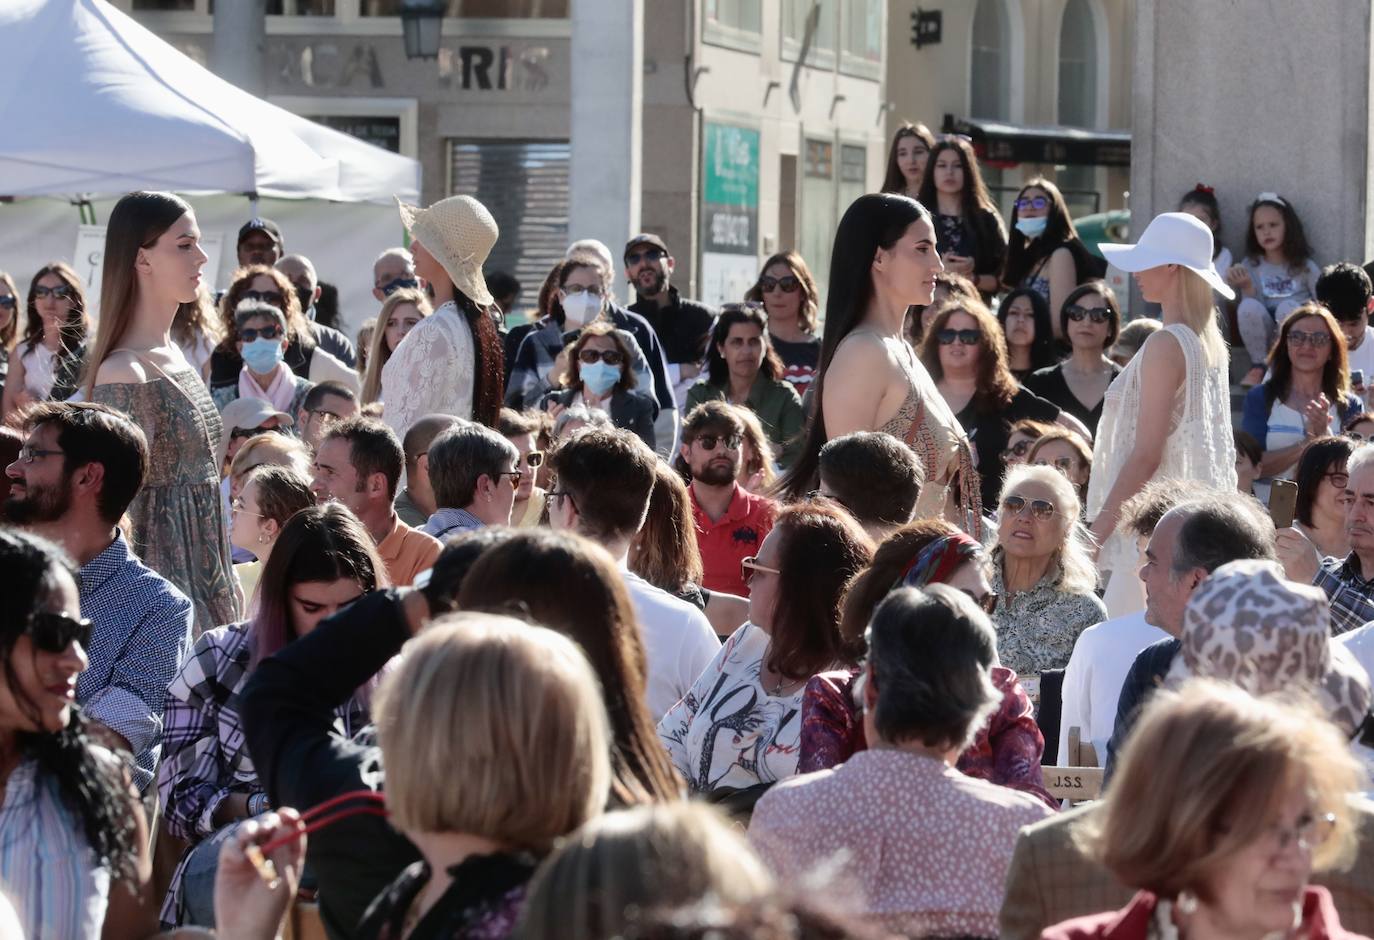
(579, 309)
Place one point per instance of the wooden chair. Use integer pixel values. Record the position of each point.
(1082, 780)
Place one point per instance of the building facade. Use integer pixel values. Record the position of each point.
(761, 119)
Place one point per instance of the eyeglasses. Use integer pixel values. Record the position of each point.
(709, 441)
(593, 290)
(1019, 449)
(552, 495)
(748, 567)
(60, 292)
(1310, 832)
(1317, 340)
(534, 458)
(1096, 314)
(1357, 436)
(8, 301)
(250, 333)
(325, 416)
(1064, 465)
(53, 633)
(1040, 509)
(788, 284)
(1033, 202)
(30, 454)
(1339, 480)
(399, 283)
(648, 254)
(272, 297)
(238, 505)
(515, 475)
(611, 357)
(966, 337)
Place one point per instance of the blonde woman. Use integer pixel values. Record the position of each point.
(1168, 414)
(402, 310)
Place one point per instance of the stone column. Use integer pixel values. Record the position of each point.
(607, 99)
(240, 44)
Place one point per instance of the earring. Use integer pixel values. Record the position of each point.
(1187, 902)
(262, 540)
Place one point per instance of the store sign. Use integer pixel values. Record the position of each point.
(384, 132)
(730, 206)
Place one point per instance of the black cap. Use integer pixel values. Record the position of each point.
(260, 225)
(646, 238)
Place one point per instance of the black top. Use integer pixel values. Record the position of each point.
(485, 897)
(511, 341)
(288, 708)
(988, 434)
(800, 360)
(225, 364)
(631, 410)
(1146, 674)
(683, 326)
(1049, 384)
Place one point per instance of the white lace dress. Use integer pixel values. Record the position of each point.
(1199, 446)
(431, 371)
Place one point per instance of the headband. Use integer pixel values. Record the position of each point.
(1204, 188)
(937, 561)
(1271, 197)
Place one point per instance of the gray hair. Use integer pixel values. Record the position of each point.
(390, 253)
(460, 456)
(1142, 512)
(248, 309)
(931, 652)
(1363, 454)
(591, 417)
(1077, 570)
(1221, 529)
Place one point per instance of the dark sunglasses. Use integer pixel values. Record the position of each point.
(648, 254)
(53, 633)
(61, 292)
(788, 284)
(239, 434)
(750, 566)
(248, 334)
(515, 477)
(392, 286)
(272, 297)
(611, 357)
(8, 301)
(709, 441)
(1019, 449)
(966, 337)
(1096, 314)
(1033, 202)
(534, 458)
(1041, 509)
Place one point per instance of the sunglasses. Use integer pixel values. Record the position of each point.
(534, 458)
(965, 337)
(986, 602)
(709, 441)
(271, 297)
(400, 283)
(248, 334)
(239, 434)
(8, 301)
(1019, 449)
(750, 566)
(1095, 314)
(1041, 509)
(611, 357)
(788, 284)
(53, 633)
(1315, 340)
(61, 292)
(1033, 202)
(515, 477)
(649, 254)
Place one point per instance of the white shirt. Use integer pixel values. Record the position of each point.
(1363, 357)
(1093, 679)
(678, 643)
(431, 371)
(1360, 643)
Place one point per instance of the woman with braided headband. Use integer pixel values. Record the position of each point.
(1008, 749)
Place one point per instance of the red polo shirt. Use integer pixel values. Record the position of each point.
(737, 535)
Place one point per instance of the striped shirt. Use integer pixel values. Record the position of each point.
(47, 869)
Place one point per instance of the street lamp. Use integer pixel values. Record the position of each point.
(422, 21)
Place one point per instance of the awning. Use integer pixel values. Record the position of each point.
(998, 142)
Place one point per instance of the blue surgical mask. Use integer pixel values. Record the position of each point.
(262, 355)
(599, 377)
(1032, 228)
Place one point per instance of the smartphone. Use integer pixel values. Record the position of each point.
(1283, 500)
(1357, 379)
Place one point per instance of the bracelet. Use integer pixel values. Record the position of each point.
(257, 804)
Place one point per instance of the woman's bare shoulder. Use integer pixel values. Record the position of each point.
(121, 367)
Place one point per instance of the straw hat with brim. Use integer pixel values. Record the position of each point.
(1248, 624)
(246, 413)
(1172, 238)
(459, 232)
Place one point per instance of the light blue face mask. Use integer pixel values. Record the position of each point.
(599, 377)
(262, 355)
(1032, 228)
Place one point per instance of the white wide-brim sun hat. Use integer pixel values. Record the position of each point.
(459, 232)
(1171, 238)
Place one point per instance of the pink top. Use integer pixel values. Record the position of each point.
(882, 828)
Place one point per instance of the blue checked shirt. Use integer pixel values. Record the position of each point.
(140, 634)
(1350, 594)
(448, 522)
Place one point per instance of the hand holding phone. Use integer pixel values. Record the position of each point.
(1283, 502)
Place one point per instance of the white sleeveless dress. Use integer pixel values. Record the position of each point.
(1199, 447)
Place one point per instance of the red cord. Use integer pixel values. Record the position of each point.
(318, 817)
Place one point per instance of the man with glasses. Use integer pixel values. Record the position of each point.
(475, 473)
(605, 478)
(325, 404)
(520, 429)
(731, 522)
(683, 326)
(80, 468)
(358, 464)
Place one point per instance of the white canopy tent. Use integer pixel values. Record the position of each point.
(100, 105)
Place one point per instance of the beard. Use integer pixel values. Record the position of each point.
(656, 280)
(714, 474)
(38, 504)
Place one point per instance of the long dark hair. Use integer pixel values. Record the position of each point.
(1204, 196)
(321, 543)
(1296, 249)
(602, 621)
(979, 212)
(92, 788)
(1336, 372)
(893, 180)
(1042, 347)
(1317, 459)
(78, 320)
(1025, 254)
(874, 221)
(717, 370)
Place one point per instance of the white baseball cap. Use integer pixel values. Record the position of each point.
(1171, 238)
